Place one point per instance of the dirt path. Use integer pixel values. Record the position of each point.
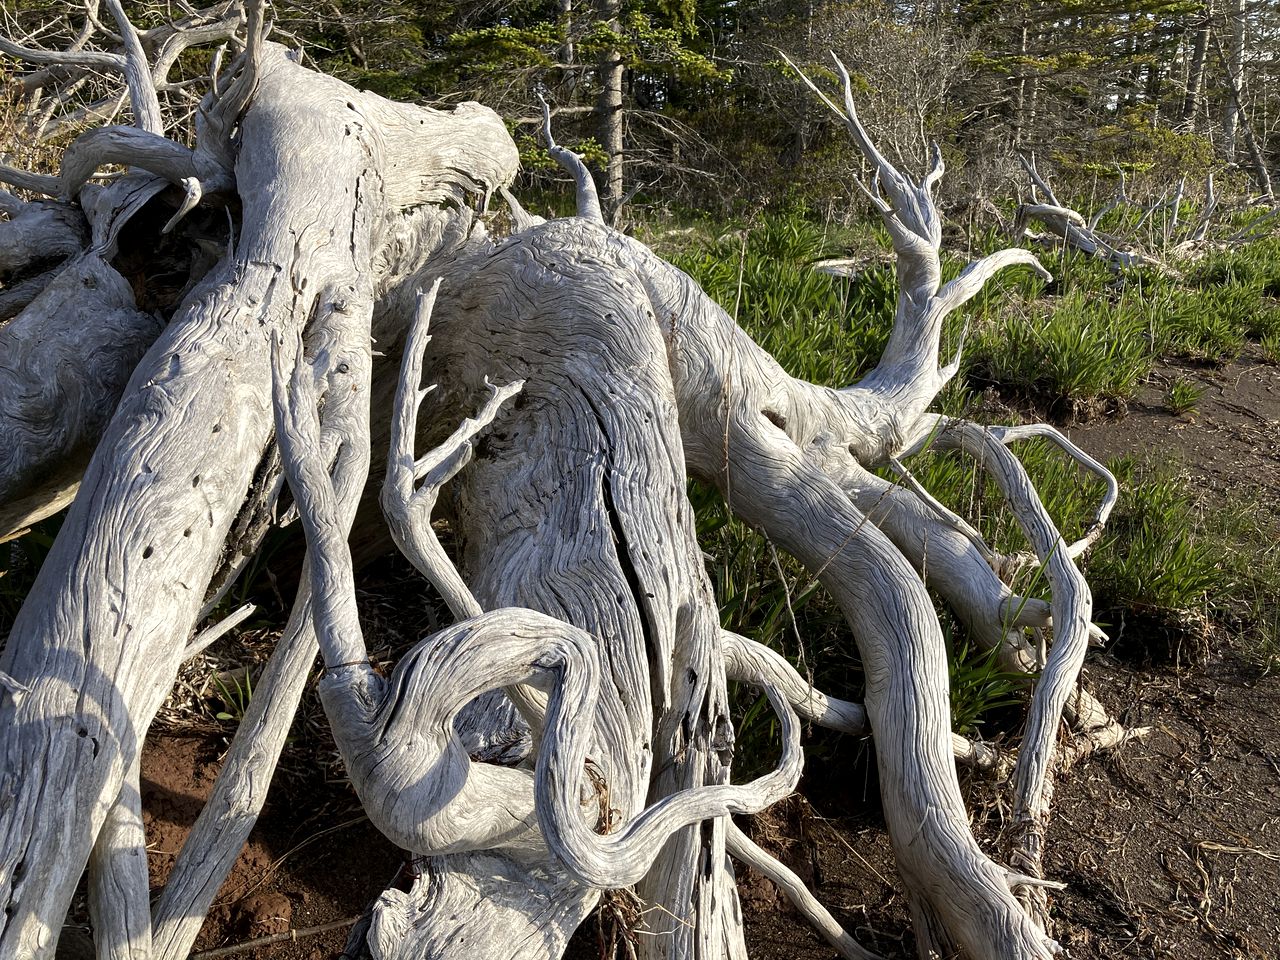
(1172, 849)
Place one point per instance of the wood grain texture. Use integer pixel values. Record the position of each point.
(325, 176)
(63, 361)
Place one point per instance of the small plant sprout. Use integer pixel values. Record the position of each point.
(234, 689)
(1183, 396)
(1271, 347)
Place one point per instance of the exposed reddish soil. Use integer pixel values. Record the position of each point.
(1170, 849)
(312, 859)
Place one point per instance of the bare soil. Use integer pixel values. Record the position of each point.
(1170, 849)
(1229, 443)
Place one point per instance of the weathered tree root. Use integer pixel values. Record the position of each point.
(772, 433)
(590, 449)
(581, 590)
(748, 662)
(1070, 228)
(101, 635)
(63, 360)
(416, 782)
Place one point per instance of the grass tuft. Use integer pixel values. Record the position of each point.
(1183, 396)
(1078, 352)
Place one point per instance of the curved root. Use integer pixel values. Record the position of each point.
(1072, 607)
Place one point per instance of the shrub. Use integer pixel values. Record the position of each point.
(1183, 396)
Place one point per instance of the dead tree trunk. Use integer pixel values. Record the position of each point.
(338, 192)
(1233, 64)
(1198, 59)
(580, 590)
(609, 115)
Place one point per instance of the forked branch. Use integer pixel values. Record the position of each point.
(588, 199)
(408, 505)
(910, 372)
(397, 738)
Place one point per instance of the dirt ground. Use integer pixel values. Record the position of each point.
(1230, 442)
(1170, 849)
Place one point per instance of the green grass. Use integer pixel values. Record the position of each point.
(821, 328)
(1255, 265)
(1077, 350)
(234, 691)
(1196, 574)
(1161, 552)
(1271, 347)
(1208, 326)
(979, 686)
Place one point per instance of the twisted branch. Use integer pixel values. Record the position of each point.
(396, 737)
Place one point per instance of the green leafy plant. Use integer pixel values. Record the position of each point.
(1183, 396)
(235, 690)
(824, 329)
(1078, 351)
(1160, 554)
(1271, 347)
(1208, 325)
(20, 562)
(979, 686)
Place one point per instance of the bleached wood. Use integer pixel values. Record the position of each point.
(38, 231)
(412, 486)
(517, 270)
(382, 729)
(749, 662)
(137, 73)
(774, 433)
(408, 506)
(137, 148)
(155, 507)
(604, 392)
(723, 437)
(909, 374)
(1110, 497)
(1070, 227)
(756, 463)
(1072, 615)
(580, 574)
(588, 200)
(229, 815)
(63, 362)
(119, 886)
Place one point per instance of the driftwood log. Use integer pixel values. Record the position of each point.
(1172, 241)
(569, 737)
